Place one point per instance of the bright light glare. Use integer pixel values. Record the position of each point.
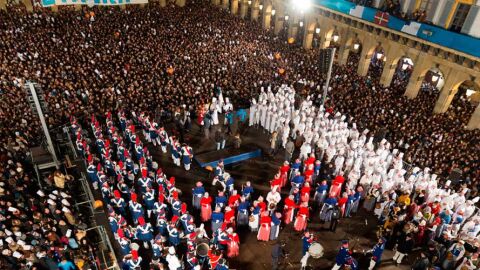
(379, 55)
(317, 30)
(470, 92)
(405, 66)
(302, 5)
(356, 46)
(435, 77)
(335, 38)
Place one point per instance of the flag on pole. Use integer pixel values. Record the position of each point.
(381, 18)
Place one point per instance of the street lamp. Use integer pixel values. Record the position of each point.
(317, 30)
(273, 12)
(356, 46)
(249, 2)
(379, 55)
(335, 38)
(286, 17)
(260, 7)
(301, 24)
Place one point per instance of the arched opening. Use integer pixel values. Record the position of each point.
(433, 81)
(466, 99)
(377, 62)
(354, 54)
(402, 75)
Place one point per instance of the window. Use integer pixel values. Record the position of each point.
(459, 17)
(426, 5)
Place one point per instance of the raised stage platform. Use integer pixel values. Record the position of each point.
(229, 155)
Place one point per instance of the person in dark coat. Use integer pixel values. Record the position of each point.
(277, 253)
(422, 262)
(405, 245)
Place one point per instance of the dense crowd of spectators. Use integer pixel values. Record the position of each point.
(157, 59)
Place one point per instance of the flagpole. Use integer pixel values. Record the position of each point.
(329, 74)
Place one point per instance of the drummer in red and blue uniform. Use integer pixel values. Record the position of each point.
(187, 155)
(134, 262)
(173, 234)
(176, 204)
(197, 193)
(144, 232)
(343, 256)
(377, 253)
(118, 203)
(149, 201)
(307, 241)
(136, 209)
(123, 242)
(144, 182)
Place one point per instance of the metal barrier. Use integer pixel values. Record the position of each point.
(104, 251)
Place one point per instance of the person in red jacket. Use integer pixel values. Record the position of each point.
(305, 193)
(309, 174)
(233, 200)
(276, 183)
(301, 218)
(284, 172)
(265, 226)
(206, 206)
(289, 209)
(229, 217)
(342, 202)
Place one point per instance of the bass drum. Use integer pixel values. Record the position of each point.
(202, 249)
(316, 250)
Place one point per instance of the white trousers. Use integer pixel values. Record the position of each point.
(336, 267)
(372, 264)
(398, 257)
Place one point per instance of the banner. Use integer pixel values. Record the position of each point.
(48, 3)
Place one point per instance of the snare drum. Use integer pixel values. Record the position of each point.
(315, 250)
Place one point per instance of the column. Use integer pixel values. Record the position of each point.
(3, 4)
(234, 7)
(255, 10)
(180, 3)
(393, 54)
(345, 48)
(163, 3)
(293, 27)
(279, 20)
(310, 25)
(420, 68)
(449, 90)
(28, 5)
(474, 120)
(243, 9)
(225, 4)
(267, 15)
(368, 48)
(215, 2)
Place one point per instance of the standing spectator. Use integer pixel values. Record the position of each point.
(220, 139)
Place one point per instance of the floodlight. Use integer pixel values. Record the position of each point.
(379, 55)
(356, 46)
(286, 17)
(260, 7)
(317, 30)
(435, 77)
(335, 38)
(301, 24)
(470, 92)
(273, 12)
(249, 2)
(302, 5)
